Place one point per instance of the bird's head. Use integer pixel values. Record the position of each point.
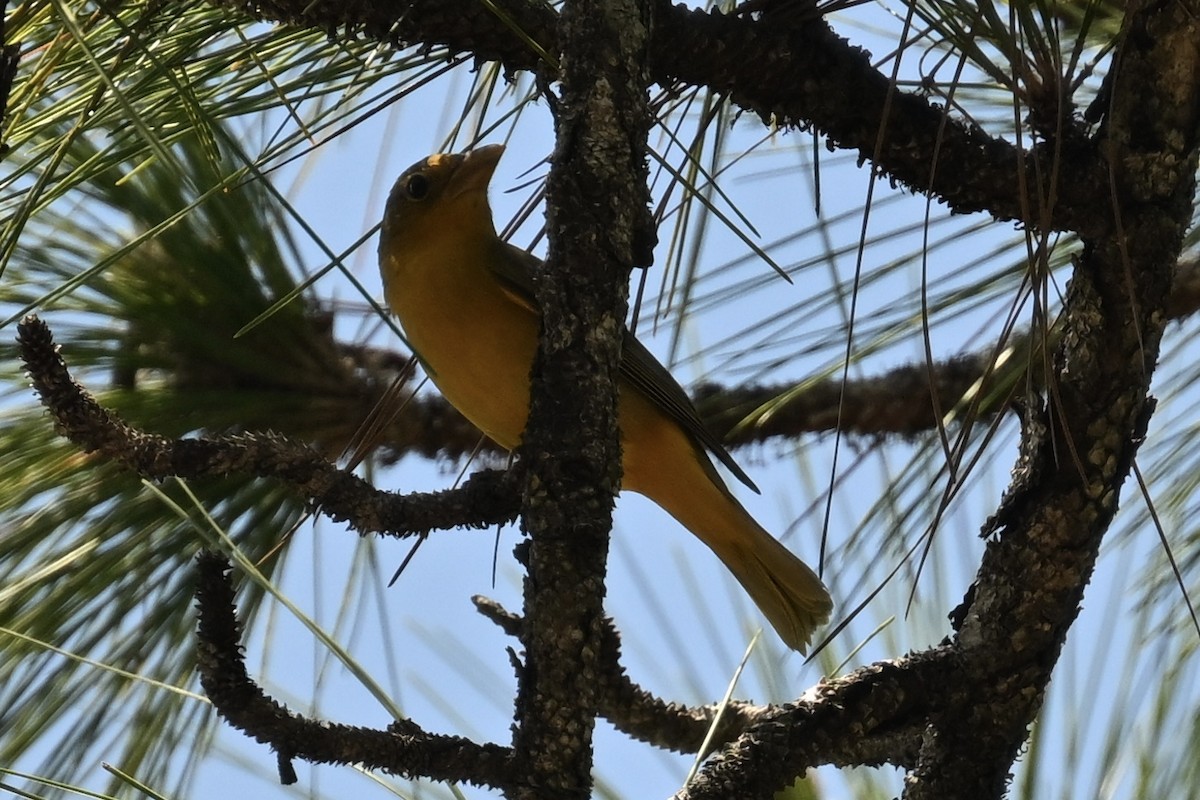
(444, 195)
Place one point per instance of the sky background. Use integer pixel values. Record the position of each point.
(685, 623)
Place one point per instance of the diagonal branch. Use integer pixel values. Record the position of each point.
(798, 74)
(488, 498)
(803, 74)
(872, 716)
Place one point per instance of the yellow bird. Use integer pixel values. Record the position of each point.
(466, 302)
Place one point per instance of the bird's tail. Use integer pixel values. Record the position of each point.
(785, 589)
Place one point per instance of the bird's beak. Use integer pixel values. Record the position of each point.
(475, 171)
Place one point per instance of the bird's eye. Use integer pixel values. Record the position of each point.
(417, 186)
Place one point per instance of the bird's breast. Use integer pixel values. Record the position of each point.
(477, 344)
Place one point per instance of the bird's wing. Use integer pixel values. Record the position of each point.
(516, 276)
(514, 270)
(643, 371)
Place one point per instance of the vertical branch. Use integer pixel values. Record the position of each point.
(599, 225)
(1078, 451)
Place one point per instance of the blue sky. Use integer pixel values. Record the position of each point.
(685, 622)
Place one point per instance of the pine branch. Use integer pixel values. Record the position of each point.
(10, 55)
(1079, 449)
(800, 74)
(599, 226)
(896, 402)
(486, 499)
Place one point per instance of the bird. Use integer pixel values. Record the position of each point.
(466, 302)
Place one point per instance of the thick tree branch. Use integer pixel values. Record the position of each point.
(797, 73)
(515, 34)
(843, 724)
(403, 749)
(1080, 449)
(488, 498)
(599, 227)
(803, 74)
